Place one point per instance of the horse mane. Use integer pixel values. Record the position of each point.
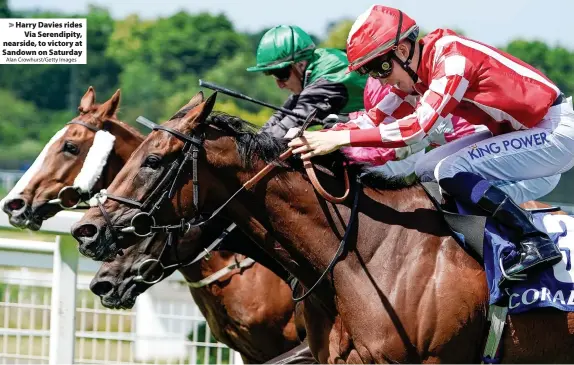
(251, 143)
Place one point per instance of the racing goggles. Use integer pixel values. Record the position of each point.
(378, 68)
(280, 74)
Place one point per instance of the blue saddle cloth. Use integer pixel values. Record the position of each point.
(487, 241)
(553, 287)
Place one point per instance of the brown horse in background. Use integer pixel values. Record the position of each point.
(405, 291)
(256, 320)
(64, 159)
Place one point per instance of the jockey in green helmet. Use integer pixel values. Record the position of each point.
(316, 77)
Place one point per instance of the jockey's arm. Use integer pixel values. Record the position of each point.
(448, 85)
(392, 104)
(326, 97)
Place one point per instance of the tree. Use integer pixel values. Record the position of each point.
(142, 95)
(338, 33)
(254, 84)
(57, 87)
(555, 62)
(100, 71)
(180, 44)
(4, 9)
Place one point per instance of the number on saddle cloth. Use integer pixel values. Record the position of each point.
(552, 287)
(484, 240)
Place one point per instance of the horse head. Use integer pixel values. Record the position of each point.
(148, 181)
(81, 158)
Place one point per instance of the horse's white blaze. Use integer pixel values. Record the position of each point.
(38, 162)
(95, 161)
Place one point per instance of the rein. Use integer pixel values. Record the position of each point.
(143, 224)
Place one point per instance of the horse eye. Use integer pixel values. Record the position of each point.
(152, 161)
(70, 148)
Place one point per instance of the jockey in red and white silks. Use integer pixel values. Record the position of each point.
(532, 123)
(388, 160)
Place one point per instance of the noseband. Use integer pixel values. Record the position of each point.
(143, 224)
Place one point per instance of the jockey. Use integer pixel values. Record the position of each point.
(317, 77)
(532, 122)
(386, 160)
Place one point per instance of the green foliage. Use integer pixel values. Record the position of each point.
(58, 87)
(179, 44)
(338, 34)
(4, 9)
(556, 62)
(231, 73)
(157, 64)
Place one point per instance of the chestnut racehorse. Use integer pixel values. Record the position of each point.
(256, 320)
(404, 290)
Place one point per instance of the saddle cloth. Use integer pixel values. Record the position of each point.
(485, 240)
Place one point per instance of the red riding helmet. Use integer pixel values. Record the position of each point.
(376, 32)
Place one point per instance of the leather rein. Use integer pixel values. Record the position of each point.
(143, 224)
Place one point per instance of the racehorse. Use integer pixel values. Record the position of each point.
(403, 291)
(256, 320)
(63, 158)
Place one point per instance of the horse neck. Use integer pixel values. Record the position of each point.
(204, 268)
(190, 246)
(285, 206)
(235, 246)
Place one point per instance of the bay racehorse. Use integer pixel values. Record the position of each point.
(403, 290)
(256, 320)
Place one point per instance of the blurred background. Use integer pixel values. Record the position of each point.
(155, 52)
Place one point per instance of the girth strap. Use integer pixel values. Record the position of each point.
(497, 315)
(470, 226)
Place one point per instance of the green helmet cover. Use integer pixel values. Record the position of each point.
(281, 46)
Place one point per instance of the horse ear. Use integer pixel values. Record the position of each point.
(192, 103)
(207, 107)
(197, 99)
(200, 113)
(87, 101)
(110, 107)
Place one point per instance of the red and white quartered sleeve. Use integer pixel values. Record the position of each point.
(450, 80)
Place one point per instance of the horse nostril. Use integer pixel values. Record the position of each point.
(101, 288)
(86, 231)
(15, 204)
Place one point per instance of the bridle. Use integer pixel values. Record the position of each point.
(70, 197)
(143, 224)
